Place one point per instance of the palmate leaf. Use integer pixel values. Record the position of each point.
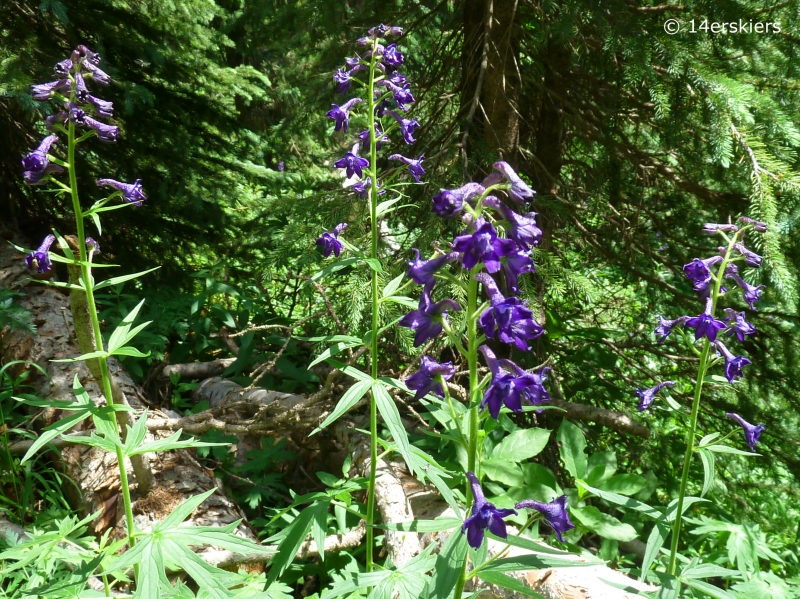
(293, 538)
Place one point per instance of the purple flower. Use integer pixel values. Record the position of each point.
(281, 166)
(407, 126)
(510, 317)
(40, 259)
(430, 377)
(330, 243)
(341, 113)
(699, 272)
(447, 203)
(519, 189)
(87, 55)
(422, 271)
(37, 165)
(392, 57)
(103, 107)
(665, 327)
(400, 94)
(555, 513)
(100, 77)
(733, 364)
(131, 192)
(398, 79)
(517, 262)
(750, 293)
(105, 133)
(64, 67)
(342, 79)
(414, 165)
(521, 227)
(712, 228)
(92, 245)
(76, 114)
(45, 90)
(751, 433)
(362, 188)
(750, 258)
(353, 164)
(427, 319)
(380, 138)
(52, 120)
(739, 325)
(756, 224)
(646, 396)
(351, 62)
(483, 246)
(511, 384)
(705, 325)
(484, 516)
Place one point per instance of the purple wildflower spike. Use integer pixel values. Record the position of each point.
(407, 127)
(750, 258)
(555, 513)
(37, 165)
(752, 433)
(705, 325)
(664, 328)
(39, 259)
(510, 317)
(484, 516)
(131, 192)
(511, 384)
(483, 246)
(646, 396)
(427, 319)
(750, 293)
(414, 165)
(521, 227)
(392, 57)
(430, 377)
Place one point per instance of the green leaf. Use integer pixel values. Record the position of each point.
(374, 264)
(539, 547)
(172, 442)
(628, 502)
(534, 562)
(82, 358)
(654, 544)
(710, 589)
(123, 333)
(448, 566)
(687, 503)
(347, 401)
(294, 537)
(504, 472)
(572, 449)
(183, 511)
(603, 524)
(726, 449)
(521, 445)
(709, 461)
(505, 581)
(334, 349)
(391, 416)
(349, 370)
(707, 570)
(670, 586)
(336, 266)
(122, 279)
(602, 465)
(393, 285)
(435, 525)
(624, 484)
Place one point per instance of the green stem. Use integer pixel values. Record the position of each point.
(692, 433)
(373, 350)
(88, 284)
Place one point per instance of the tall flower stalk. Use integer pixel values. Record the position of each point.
(707, 277)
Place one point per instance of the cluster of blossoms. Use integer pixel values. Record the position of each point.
(78, 110)
(710, 286)
(391, 93)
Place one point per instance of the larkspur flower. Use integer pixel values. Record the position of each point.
(131, 192)
(521, 227)
(330, 243)
(342, 80)
(483, 246)
(407, 126)
(380, 138)
(509, 317)
(281, 166)
(752, 433)
(64, 67)
(712, 228)
(738, 325)
(362, 188)
(37, 165)
(105, 133)
(733, 364)
(511, 384)
(39, 259)
(99, 76)
(77, 114)
(447, 203)
(392, 57)
(400, 94)
(398, 79)
(664, 328)
(103, 107)
(484, 516)
(750, 293)
(422, 271)
(646, 396)
(427, 319)
(430, 377)
(92, 245)
(414, 165)
(57, 118)
(353, 164)
(341, 114)
(750, 258)
(555, 513)
(756, 224)
(43, 91)
(705, 325)
(520, 191)
(699, 272)
(518, 261)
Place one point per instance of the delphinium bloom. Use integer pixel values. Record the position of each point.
(362, 187)
(750, 258)
(520, 191)
(353, 164)
(414, 165)
(407, 126)
(752, 433)
(92, 245)
(449, 202)
(737, 324)
(131, 192)
(39, 259)
(521, 227)
(37, 165)
(705, 325)
(380, 138)
(44, 91)
(646, 396)
(422, 271)
(330, 243)
(733, 364)
(555, 513)
(341, 114)
(484, 516)
(665, 327)
(699, 272)
(750, 293)
(430, 377)
(483, 246)
(510, 385)
(509, 317)
(756, 224)
(713, 228)
(427, 320)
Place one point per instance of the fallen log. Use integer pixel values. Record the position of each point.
(197, 370)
